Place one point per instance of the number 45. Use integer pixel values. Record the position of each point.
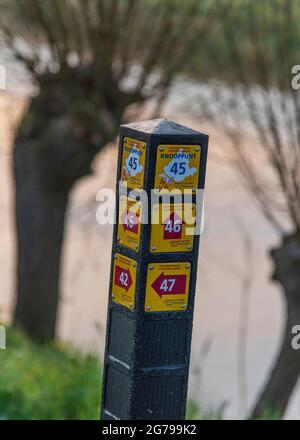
(133, 163)
(178, 170)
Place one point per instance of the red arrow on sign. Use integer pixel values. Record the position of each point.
(173, 227)
(169, 284)
(130, 221)
(123, 278)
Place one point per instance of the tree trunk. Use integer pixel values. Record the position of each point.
(52, 151)
(40, 224)
(284, 376)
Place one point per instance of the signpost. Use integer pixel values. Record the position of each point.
(153, 271)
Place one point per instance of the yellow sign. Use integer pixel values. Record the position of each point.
(173, 227)
(133, 163)
(177, 167)
(129, 226)
(124, 281)
(167, 287)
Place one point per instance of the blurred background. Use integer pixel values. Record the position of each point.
(74, 71)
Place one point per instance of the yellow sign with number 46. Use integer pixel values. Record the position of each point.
(173, 227)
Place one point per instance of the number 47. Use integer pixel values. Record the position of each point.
(167, 285)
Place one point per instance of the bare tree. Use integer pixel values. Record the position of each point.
(91, 60)
(261, 41)
(246, 279)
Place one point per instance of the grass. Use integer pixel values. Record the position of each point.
(54, 382)
(47, 382)
(194, 412)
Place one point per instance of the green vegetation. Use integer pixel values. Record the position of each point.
(47, 381)
(195, 413)
(246, 34)
(54, 382)
(269, 414)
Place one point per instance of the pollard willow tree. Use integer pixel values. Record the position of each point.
(91, 60)
(261, 44)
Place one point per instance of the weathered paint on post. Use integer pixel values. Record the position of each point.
(152, 286)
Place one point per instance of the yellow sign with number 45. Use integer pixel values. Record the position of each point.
(177, 167)
(133, 163)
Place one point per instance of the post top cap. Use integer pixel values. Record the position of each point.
(161, 127)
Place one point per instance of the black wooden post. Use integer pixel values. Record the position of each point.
(153, 273)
